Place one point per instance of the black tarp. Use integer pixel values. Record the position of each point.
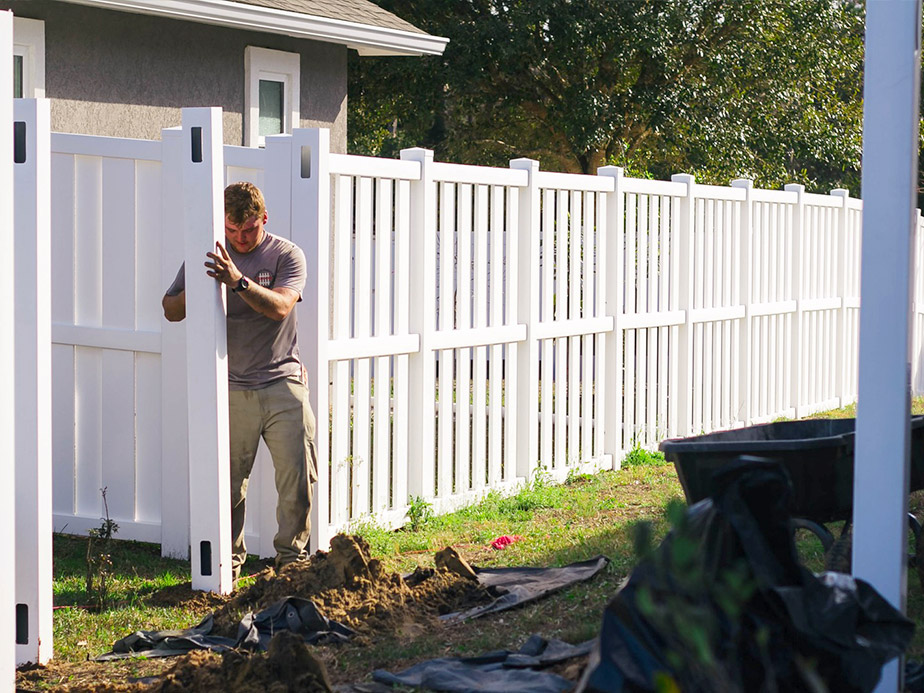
(724, 604)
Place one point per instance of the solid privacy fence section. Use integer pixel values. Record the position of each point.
(462, 326)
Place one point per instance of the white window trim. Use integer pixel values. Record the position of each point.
(29, 42)
(279, 66)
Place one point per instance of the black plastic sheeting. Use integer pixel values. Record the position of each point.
(520, 585)
(513, 587)
(254, 632)
(502, 671)
(792, 628)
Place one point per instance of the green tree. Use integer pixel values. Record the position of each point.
(766, 89)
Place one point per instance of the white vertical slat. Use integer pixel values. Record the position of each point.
(402, 301)
(362, 327)
(586, 311)
(842, 248)
(561, 313)
(148, 424)
(630, 385)
(480, 319)
(651, 262)
(118, 367)
(422, 315)
(309, 171)
(340, 329)
(88, 311)
(707, 279)
(741, 394)
(62, 311)
(32, 381)
(381, 480)
(511, 406)
(174, 514)
(548, 355)
(206, 350)
(464, 358)
(574, 309)
(495, 364)
(606, 427)
(446, 356)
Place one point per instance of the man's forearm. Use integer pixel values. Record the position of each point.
(175, 307)
(269, 303)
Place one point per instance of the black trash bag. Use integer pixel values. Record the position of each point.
(724, 605)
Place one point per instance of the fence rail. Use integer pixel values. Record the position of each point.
(467, 326)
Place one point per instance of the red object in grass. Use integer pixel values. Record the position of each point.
(505, 540)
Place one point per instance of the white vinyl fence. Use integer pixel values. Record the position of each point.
(463, 327)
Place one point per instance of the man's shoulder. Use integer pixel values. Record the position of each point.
(281, 246)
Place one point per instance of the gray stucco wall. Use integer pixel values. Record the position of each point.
(127, 75)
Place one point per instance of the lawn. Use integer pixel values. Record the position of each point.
(559, 524)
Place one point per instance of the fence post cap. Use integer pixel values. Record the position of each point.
(746, 183)
(683, 178)
(794, 187)
(614, 171)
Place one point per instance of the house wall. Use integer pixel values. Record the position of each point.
(127, 75)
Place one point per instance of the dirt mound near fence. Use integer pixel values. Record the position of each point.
(288, 665)
(350, 587)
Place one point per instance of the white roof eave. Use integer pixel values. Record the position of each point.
(364, 38)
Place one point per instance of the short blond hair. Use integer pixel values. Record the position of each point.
(243, 201)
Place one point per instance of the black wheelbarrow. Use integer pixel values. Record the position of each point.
(817, 453)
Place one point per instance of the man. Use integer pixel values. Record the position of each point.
(268, 388)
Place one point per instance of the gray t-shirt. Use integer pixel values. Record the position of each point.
(260, 350)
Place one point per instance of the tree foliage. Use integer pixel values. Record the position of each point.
(765, 89)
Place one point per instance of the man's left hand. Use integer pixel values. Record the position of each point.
(222, 267)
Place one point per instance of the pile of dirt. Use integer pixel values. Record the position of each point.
(185, 597)
(288, 665)
(350, 587)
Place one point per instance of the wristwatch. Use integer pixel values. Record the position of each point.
(242, 285)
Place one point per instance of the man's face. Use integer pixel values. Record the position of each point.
(246, 236)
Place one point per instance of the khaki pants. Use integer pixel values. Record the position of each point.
(281, 414)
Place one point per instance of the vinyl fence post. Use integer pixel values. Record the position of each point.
(7, 357)
(206, 353)
(422, 320)
(527, 457)
(746, 262)
(682, 398)
(798, 353)
(613, 280)
(32, 380)
(840, 373)
(174, 514)
(309, 171)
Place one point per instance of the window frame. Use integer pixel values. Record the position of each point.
(276, 66)
(29, 43)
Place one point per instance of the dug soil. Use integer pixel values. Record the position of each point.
(346, 585)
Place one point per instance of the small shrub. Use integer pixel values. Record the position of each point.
(419, 512)
(99, 558)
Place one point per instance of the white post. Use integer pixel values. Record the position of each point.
(611, 238)
(309, 171)
(745, 263)
(32, 379)
(206, 353)
(798, 352)
(528, 312)
(890, 164)
(681, 398)
(7, 357)
(422, 317)
(174, 514)
(843, 338)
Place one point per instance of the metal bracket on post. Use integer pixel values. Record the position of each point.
(206, 352)
(32, 376)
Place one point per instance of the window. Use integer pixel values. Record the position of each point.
(28, 58)
(271, 93)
